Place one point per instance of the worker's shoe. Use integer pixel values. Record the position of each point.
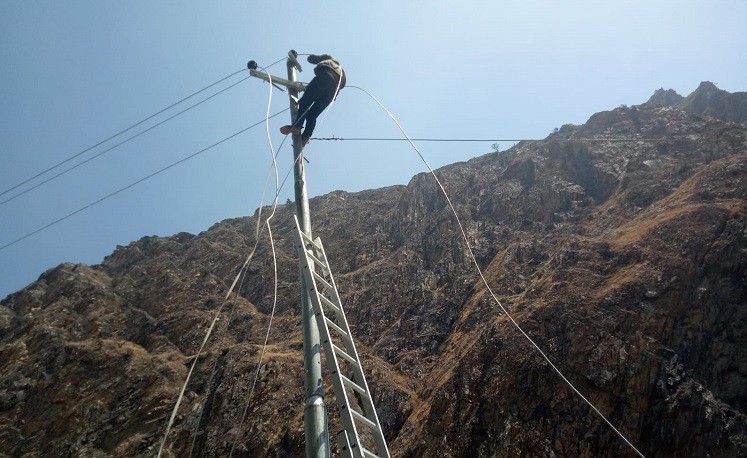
(295, 130)
(305, 140)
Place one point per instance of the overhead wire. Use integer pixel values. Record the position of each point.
(53, 177)
(69, 215)
(298, 159)
(278, 188)
(487, 286)
(267, 221)
(118, 133)
(208, 385)
(216, 318)
(273, 154)
(272, 313)
(264, 345)
(131, 185)
(243, 269)
(485, 140)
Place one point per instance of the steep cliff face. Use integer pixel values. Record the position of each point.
(626, 262)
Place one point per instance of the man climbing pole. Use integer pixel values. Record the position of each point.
(329, 79)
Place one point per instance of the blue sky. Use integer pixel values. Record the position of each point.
(76, 72)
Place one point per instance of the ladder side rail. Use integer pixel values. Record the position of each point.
(350, 345)
(315, 255)
(347, 412)
(344, 444)
(370, 409)
(341, 396)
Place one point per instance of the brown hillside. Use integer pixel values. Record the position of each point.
(626, 262)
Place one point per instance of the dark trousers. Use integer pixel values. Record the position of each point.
(318, 95)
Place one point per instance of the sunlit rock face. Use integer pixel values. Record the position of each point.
(625, 262)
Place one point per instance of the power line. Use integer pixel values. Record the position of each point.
(485, 140)
(111, 137)
(53, 177)
(241, 274)
(485, 281)
(131, 185)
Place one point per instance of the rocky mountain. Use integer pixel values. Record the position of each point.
(707, 100)
(626, 262)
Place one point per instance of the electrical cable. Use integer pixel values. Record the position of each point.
(278, 187)
(264, 345)
(131, 185)
(118, 133)
(272, 314)
(244, 269)
(485, 282)
(194, 362)
(215, 363)
(485, 140)
(119, 144)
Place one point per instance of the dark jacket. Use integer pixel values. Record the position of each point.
(328, 65)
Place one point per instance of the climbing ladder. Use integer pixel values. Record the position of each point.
(353, 397)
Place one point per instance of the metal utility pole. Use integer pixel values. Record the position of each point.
(315, 415)
(323, 315)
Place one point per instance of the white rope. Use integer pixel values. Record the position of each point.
(274, 263)
(256, 242)
(278, 188)
(264, 346)
(215, 366)
(228, 294)
(485, 282)
(243, 269)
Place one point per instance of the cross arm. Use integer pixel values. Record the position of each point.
(297, 85)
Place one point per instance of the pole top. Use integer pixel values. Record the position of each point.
(293, 61)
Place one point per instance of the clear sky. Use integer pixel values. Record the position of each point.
(76, 72)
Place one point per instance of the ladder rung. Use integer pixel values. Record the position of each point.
(307, 238)
(354, 385)
(339, 330)
(364, 420)
(317, 261)
(324, 282)
(327, 300)
(343, 354)
(329, 303)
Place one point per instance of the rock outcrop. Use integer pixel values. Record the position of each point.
(706, 100)
(625, 261)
